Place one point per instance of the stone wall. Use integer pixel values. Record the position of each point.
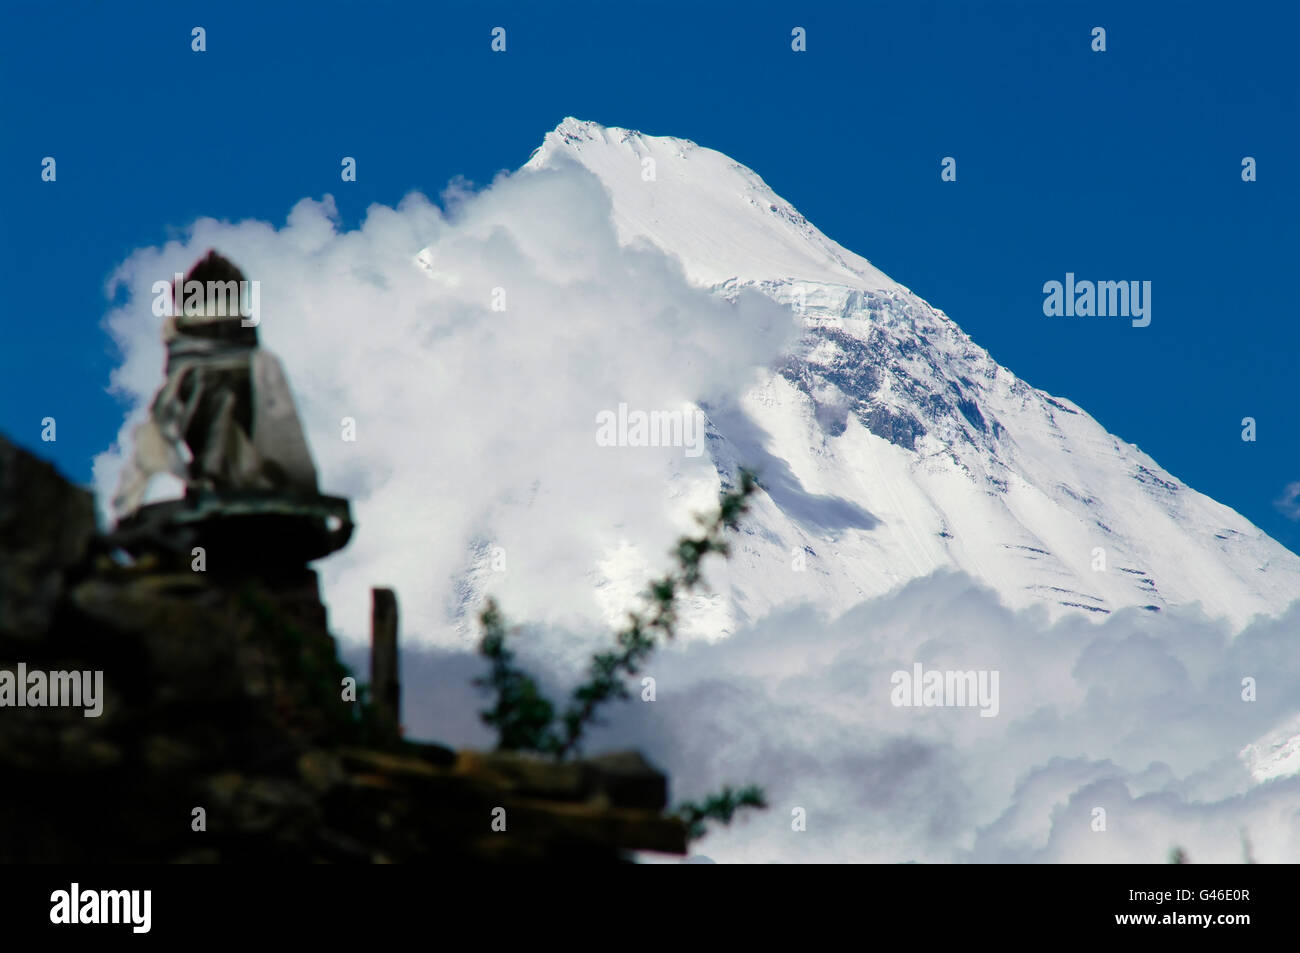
(225, 693)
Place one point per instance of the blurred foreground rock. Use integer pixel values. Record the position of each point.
(224, 692)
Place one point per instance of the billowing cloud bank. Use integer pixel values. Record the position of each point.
(1141, 716)
(475, 451)
(475, 428)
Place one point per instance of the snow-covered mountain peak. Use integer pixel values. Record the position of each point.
(713, 213)
(891, 446)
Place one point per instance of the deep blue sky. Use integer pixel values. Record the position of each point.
(1115, 165)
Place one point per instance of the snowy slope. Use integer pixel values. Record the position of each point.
(891, 445)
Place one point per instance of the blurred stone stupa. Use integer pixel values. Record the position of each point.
(224, 422)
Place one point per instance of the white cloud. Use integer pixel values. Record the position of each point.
(1141, 715)
(473, 425)
(1289, 502)
(477, 428)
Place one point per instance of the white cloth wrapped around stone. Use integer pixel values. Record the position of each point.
(223, 420)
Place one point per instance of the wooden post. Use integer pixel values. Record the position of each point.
(385, 683)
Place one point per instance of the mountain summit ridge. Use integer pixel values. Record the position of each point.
(892, 446)
(746, 203)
